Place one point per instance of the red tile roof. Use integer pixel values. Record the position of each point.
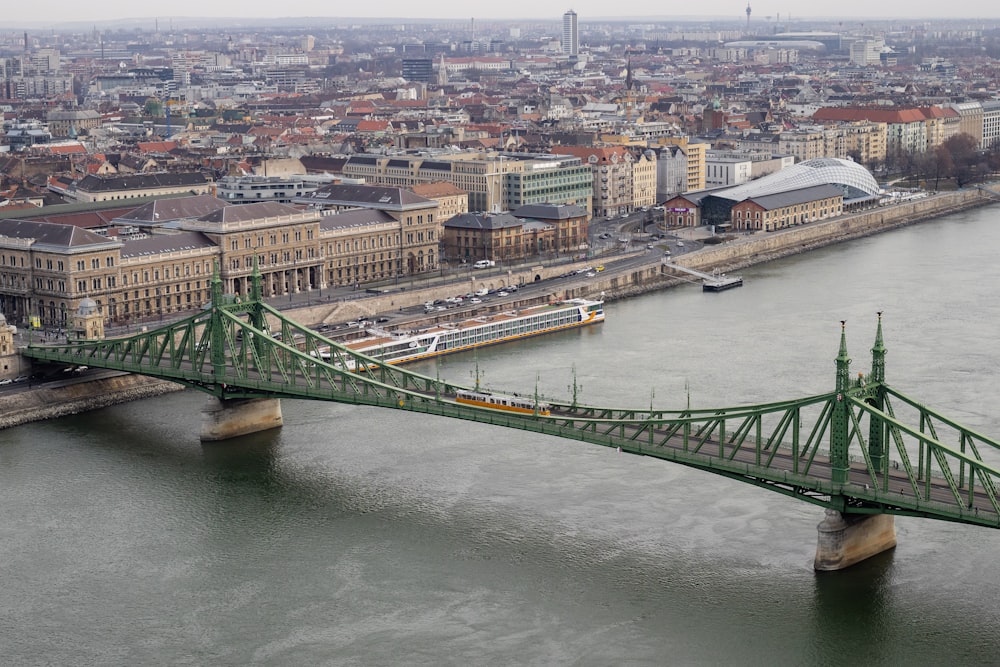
(874, 115)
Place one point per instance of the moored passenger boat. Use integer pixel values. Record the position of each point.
(480, 331)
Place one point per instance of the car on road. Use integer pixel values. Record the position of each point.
(502, 293)
(21, 378)
(680, 244)
(599, 268)
(6, 381)
(591, 274)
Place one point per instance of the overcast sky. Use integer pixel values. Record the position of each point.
(59, 11)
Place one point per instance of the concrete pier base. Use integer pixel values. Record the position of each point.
(848, 539)
(224, 419)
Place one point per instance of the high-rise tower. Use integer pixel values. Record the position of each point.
(570, 35)
(748, 15)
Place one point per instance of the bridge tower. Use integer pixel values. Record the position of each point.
(845, 539)
(223, 418)
(840, 420)
(877, 432)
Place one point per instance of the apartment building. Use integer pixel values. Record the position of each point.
(906, 129)
(622, 181)
(991, 124)
(692, 157)
(970, 120)
(863, 140)
(494, 181)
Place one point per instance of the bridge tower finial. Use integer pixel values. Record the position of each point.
(843, 361)
(878, 354)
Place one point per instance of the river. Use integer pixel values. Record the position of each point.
(358, 536)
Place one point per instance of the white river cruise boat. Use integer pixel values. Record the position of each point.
(478, 331)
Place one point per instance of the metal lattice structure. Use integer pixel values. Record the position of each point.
(863, 448)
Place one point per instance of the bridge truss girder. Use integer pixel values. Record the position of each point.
(884, 464)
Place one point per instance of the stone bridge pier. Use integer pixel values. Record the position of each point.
(847, 539)
(226, 418)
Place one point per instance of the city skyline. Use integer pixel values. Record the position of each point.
(32, 15)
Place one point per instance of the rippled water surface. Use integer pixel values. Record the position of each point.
(354, 536)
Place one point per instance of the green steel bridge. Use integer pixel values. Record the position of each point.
(863, 448)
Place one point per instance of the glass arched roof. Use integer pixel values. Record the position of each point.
(857, 182)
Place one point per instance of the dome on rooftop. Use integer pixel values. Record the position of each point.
(87, 307)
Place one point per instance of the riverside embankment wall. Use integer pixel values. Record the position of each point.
(743, 251)
(50, 402)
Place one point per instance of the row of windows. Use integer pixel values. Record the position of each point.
(168, 272)
(81, 285)
(13, 261)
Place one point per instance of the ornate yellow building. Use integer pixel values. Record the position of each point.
(158, 261)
